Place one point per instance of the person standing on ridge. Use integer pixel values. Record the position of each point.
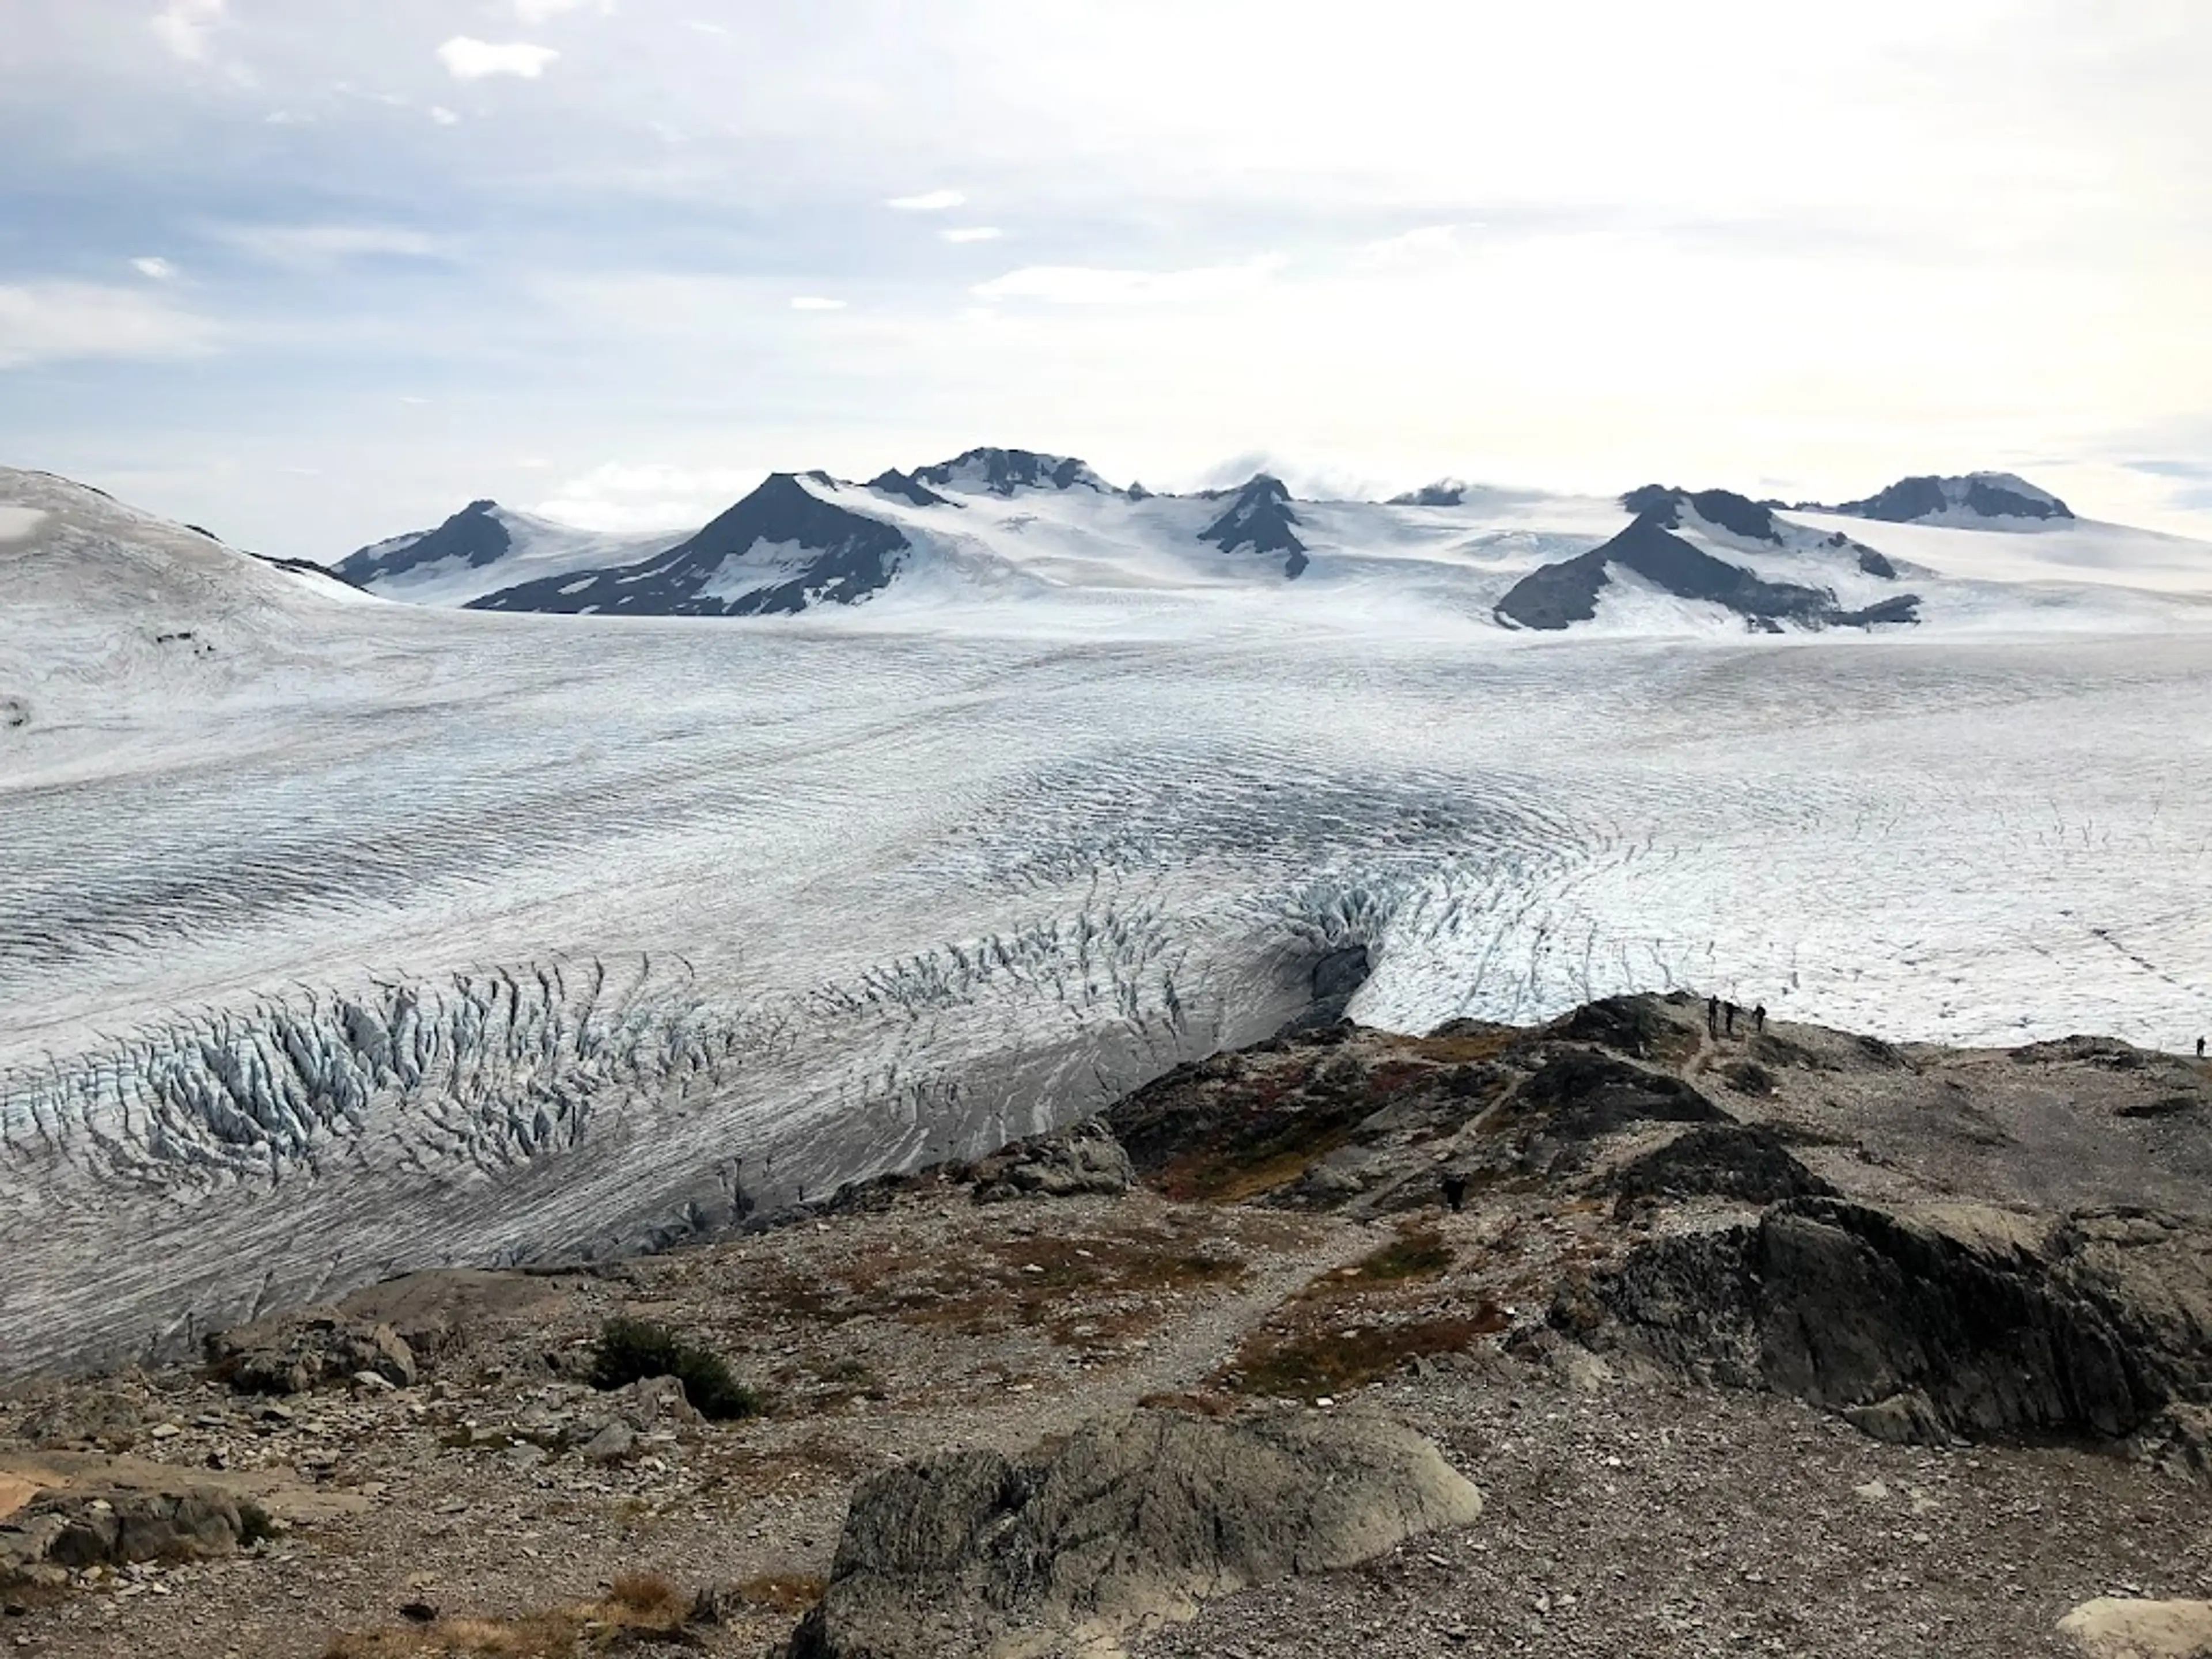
(2200, 1047)
(1713, 1019)
(1727, 1009)
(1759, 1019)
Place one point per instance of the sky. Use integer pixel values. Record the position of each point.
(315, 272)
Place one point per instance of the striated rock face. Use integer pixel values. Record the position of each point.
(1924, 1323)
(1130, 1523)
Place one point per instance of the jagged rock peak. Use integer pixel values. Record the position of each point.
(907, 488)
(1962, 499)
(1444, 492)
(1666, 505)
(782, 550)
(1008, 471)
(1557, 596)
(478, 535)
(1260, 520)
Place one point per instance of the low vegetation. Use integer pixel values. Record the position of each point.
(1312, 1364)
(639, 1608)
(632, 1350)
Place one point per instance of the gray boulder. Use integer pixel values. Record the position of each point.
(1083, 1160)
(294, 1354)
(1127, 1526)
(67, 1531)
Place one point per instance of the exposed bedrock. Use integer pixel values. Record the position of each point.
(1925, 1322)
(1128, 1524)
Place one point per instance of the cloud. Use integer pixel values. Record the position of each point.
(319, 247)
(935, 201)
(444, 116)
(816, 302)
(620, 496)
(47, 322)
(1430, 244)
(153, 267)
(467, 59)
(184, 26)
(543, 11)
(1089, 285)
(972, 233)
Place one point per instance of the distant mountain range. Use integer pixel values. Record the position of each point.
(1018, 521)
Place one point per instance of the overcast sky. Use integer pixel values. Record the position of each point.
(312, 272)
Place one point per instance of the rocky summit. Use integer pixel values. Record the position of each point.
(1647, 1331)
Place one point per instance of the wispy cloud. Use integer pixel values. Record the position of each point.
(155, 267)
(42, 322)
(816, 302)
(315, 247)
(1089, 285)
(1430, 244)
(935, 201)
(444, 116)
(972, 233)
(469, 59)
(184, 27)
(541, 11)
(620, 496)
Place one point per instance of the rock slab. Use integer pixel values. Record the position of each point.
(2115, 1628)
(1127, 1526)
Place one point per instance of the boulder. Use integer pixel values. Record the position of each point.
(1744, 1162)
(1127, 1525)
(1085, 1159)
(295, 1353)
(1925, 1322)
(70, 1530)
(2116, 1628)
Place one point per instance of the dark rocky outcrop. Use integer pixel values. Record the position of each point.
(1976, 495)
(1744, 1162)
(1260, 520)
(475, 535)
(1081, 1161)
(907, 488)
(1557, 596)
(1738, 514)
(1932, 1321)
(295, 1353)
(1009, 472)
(825, 553)
(1130, 1523)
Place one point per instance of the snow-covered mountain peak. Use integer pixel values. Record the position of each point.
(1009, 472)
(1972, 501)
(1260, 520)
(482, 548)
(783, 548)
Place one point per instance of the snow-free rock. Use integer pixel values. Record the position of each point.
(1129, 1524)
(2117, 1627)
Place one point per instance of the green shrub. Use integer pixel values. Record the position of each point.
(631, 1350)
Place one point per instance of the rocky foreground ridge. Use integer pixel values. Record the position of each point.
(1614, 1335)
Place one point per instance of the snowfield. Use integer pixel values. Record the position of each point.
(339, 936)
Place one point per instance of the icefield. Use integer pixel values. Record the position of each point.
(339, 936)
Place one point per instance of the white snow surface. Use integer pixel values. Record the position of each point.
(339, 936)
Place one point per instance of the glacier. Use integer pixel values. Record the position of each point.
(339, 936)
